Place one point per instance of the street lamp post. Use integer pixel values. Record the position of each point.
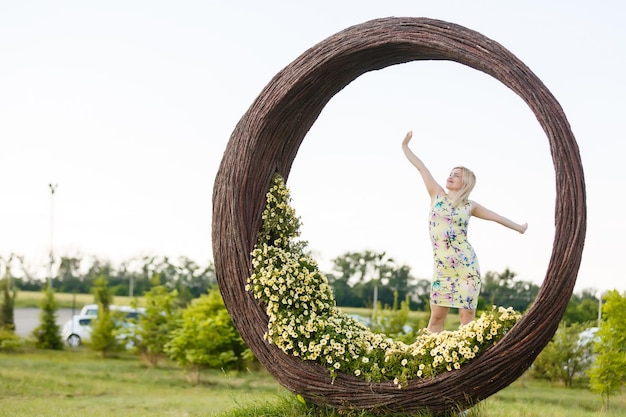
(53, 188)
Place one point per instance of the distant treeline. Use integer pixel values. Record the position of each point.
(358, 279)
(131, 278)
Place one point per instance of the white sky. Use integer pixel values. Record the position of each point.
(128, 106)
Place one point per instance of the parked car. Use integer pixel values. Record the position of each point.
(92, 310)
(77, 330)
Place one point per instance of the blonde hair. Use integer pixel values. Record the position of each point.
(469, 181)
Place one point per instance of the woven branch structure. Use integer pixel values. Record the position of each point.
(266, 141)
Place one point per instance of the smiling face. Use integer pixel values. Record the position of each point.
(455, 180)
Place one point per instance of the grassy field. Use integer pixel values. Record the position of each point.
(530, 398)
(79, 383)
(65, 300)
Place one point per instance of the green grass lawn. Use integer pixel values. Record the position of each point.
(65, 300)
(79, 383)
(531, 398)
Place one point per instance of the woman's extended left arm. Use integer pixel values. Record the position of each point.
(486, 214)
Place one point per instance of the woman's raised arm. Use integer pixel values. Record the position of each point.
(431, 185)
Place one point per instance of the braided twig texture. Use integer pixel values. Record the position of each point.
(266, 140)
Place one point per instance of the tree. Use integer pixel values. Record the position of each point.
(48, 334)
(206, 338)
(608, 373)
(421, 294)
(183, 274)
(361, 279)
(582, 308)
(8, 293)
(132, 277)
(502, 290)
(566, 357)
(68, 277)
(341, 290)
(155, 326)
(103, 337)
(190, 279)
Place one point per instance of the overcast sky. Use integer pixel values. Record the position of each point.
(128, 106)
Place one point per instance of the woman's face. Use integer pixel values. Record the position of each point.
(455, 180)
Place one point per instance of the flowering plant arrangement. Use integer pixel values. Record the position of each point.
(305, 322)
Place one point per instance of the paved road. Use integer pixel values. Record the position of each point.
(27, 319)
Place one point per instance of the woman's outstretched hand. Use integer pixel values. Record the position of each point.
(407, 138)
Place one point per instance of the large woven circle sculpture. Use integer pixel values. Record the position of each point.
(266, 141)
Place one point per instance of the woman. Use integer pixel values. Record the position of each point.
(456, 276)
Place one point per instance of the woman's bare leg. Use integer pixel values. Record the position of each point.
(438, 316)
(466, 316)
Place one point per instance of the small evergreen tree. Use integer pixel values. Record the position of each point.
(156, 324)
(103, 335)
(608, 373)
(8, 293)
(48, 334)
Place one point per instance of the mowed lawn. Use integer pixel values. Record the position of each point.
(67, 300)
(79, 383)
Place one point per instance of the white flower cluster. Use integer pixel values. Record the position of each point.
(304, 321)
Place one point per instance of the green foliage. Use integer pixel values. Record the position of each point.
(8, 293)
(155, 326)
(48, 334)
(582, 308)
(503, 289)
(391, 320)
(9, 340)
(103, 334)
(206, 337)
(566, 357)
(131, 278)
(608, 373)
(102, 293)
(357, 276)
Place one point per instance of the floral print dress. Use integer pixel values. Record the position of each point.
(456, 273)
